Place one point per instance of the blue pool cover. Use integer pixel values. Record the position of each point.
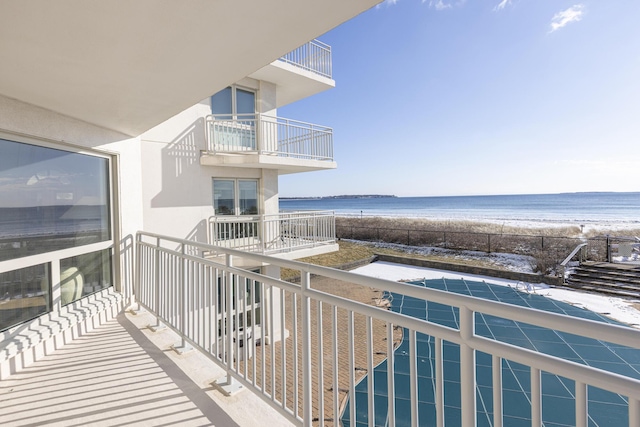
(606, 409)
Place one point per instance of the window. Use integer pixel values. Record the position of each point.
(51, 200)
(235, 197)
(233, 102)
(234, 112)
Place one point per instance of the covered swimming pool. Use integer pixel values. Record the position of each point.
(605, 409)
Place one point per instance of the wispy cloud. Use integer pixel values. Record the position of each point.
(439, 5)
(444, 5)
(502, 5)
(562, 19)
(386, 3)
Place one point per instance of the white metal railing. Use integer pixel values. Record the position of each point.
(250, 133)
(563, 265)
(305, 371)
(276, 233)
(313, 56)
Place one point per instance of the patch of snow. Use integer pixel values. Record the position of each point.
(511, 262)
(616, 308)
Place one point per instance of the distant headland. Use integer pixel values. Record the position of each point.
(344, 196)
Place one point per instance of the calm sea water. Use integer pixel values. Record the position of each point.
(590, 209)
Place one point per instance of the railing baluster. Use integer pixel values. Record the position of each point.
(272, 333)
(413, 378)
(319, 333)
(391, 389)
(582, 405)
(307, 389)
(536, 397)
(370, 376)
(634, 411)
(467, 369)
(334, 368)
(439, 386)
(283, 350)
(228, 319)
(352, 369)
(496, 368)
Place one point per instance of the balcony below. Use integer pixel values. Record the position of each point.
(301, 73)
(285, 235)
(262, 141)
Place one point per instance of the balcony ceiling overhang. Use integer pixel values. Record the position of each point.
(293, 83)
(284, 165)
(129, 65)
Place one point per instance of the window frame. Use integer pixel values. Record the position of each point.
(52, 259)
(233, 114)
(236, 195)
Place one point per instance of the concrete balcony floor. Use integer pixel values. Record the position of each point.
(122, 373)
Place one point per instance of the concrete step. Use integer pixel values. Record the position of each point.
(606, 278)
(609, 290)
(614, 278)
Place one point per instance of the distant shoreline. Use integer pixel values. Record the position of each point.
(346, 196)
(589, 211)
(516, 225)
(373, 196)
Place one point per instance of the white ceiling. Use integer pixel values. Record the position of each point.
(128, 65)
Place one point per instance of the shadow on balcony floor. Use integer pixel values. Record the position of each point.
(113, 375)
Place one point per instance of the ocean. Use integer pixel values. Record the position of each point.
(611, 210)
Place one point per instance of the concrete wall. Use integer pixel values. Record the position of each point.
(469, 269)
(177, 197)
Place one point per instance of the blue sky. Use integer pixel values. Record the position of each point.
(455, 97)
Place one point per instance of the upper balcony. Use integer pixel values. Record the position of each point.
(261, 141)
(283, 235)
(301, 73)
(314, 56)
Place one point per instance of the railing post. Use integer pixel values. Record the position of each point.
(307, 391)
(184, 309)
(489, 243)
(138, 271)
(158, 326)
(228, 386)
(467, 369)
(258, 129)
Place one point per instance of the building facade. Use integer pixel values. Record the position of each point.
(166, 125)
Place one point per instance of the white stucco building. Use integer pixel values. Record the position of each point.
(109, 126)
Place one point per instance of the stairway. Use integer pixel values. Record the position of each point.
(614, 279)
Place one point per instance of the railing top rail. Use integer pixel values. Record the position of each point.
(281, 215)
(321, 44)
(572, 254)
(235, 218)
(259, 116)
(622, 335)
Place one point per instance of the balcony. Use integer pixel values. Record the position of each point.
(313, 56)
(262, 141)
(278, 235)
(312, 352)
(301, 73)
